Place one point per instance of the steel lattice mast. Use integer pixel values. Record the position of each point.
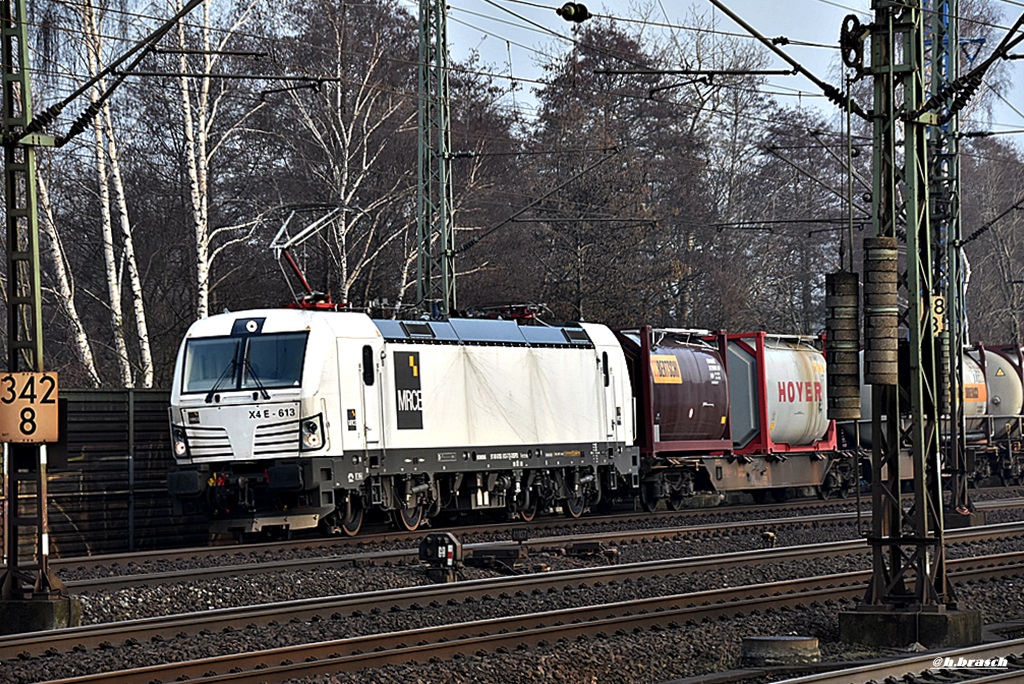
(907, 544)
(435, 263)
(944, 154)
(26, 578)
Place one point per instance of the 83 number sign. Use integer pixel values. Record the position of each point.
(28, 408)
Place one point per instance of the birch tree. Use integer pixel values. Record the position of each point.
(201, 106)
(114, 206)
(64, 288)
(349, 134)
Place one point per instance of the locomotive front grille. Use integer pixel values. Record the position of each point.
(208, 442)
(242, 432)
(276, 439)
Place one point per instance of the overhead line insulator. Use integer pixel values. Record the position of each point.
(574, 11)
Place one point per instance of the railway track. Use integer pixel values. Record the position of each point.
(544, 531)
(933, 667)
(526, 631)
(164, 628)
(410, 554)
(542, 527)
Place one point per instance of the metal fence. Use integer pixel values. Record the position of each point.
(112, 496)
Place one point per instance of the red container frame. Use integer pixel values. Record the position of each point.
(656, 448)
(763, 444)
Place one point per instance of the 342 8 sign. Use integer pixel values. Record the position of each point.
(28, 407)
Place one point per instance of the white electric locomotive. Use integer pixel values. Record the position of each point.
(291, 418)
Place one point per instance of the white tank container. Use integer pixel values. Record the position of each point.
(975, 395)
(788, 375)
(1005, 391)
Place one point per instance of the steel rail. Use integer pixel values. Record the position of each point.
(522, 631)
(193, 623)
(539, 528)
(409, 556)
(554, 529)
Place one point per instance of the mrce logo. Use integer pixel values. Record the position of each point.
(408, 391)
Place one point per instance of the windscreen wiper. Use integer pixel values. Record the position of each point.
(255, 378)
(229, 370)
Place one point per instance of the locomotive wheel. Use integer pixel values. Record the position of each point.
(408, 519)
(572, 507)
(528, 514)
(339, 522)
(675, 502)
(351, 524)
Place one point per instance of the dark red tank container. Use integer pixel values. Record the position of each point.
(681, 390)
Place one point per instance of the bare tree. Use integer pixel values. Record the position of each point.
(108, 156)
(201, 105)
(993, 225)
(65, 285)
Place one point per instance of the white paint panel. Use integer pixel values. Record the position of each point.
(490, 396)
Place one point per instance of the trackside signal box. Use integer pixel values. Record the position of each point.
(442, 553)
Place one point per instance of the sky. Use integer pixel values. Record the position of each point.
(509, 33)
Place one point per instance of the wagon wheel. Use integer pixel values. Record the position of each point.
(828, 486)
(530, 512)
(675, 502)
(572, 507)
(648, 501)
(408, 519)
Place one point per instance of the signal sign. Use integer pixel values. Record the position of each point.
(938, 313)
(28, 408)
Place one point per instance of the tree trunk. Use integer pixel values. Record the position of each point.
(128, 246)
(66, 287)
(195, 130)
(109, 258)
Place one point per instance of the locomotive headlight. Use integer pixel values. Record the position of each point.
(312, 434)
(180, 445)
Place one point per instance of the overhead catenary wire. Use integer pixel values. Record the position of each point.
(478, 72)
(834, 94)
(501, 75)
(135, 54)
(512, 77)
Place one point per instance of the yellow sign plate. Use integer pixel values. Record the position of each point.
(665, 370)
(28, 408)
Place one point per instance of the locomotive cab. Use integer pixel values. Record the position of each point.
(251, 429)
